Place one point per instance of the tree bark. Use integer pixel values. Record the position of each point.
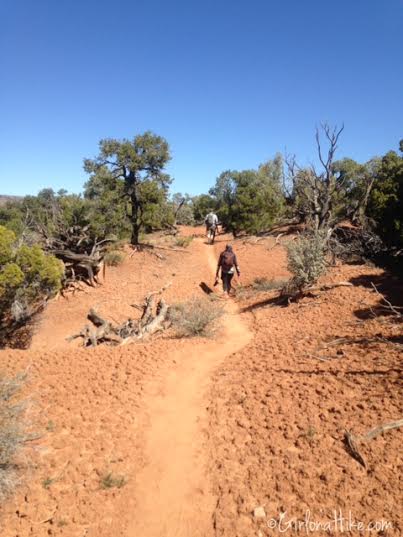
(134, 219)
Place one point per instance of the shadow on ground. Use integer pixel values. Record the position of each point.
(390, 289)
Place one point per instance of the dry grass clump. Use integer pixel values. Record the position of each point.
(113, 258)
(264, 284)
(12, 432)
(260, 284)
(109, 481)
(195, 317)
(183, 242)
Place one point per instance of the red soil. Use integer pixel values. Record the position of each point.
(205, 431)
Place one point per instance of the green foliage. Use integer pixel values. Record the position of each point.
(202, 205)
(354, 182)
(11, 277)
(341, 196)
(131, 172)
(106, 196)
(40, 270)
(385, 205)
(250, 200)
(7, 239)
(48, 212)
(362, 193)
(154, 211)
(27, 275)
(11, 217)
(306, 261)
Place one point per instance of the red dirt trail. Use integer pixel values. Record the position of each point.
(173, 495)
(203, 431)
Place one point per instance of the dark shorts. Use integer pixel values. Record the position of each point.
(226, 280)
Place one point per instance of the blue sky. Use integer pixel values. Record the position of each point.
(227, 82)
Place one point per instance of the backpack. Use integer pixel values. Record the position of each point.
(210, 219)
(227, 261)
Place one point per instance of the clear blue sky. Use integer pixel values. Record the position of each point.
(227, 82)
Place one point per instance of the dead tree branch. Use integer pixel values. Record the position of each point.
(389, 306)
(352, 440)
(153, 319)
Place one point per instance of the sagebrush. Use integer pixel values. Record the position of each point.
(306, 261)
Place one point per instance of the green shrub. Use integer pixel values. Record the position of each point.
(40, 270)
(195, 317)
(250, 201)
(306, 261)
(11, 277)
(27, 276)
(385, 206)
(7, 239)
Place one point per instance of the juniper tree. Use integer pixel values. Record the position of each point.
(250, 200)
(385, 205)
(136, 167)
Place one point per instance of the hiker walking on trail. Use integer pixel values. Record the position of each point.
(211, 222)
(228, 264)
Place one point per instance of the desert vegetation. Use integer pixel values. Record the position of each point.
(300, 233)
(201, 261)
(346, 210)
(196, 317)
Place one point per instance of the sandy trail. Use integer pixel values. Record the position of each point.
(173, 492)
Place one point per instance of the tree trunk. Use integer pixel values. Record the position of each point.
(134, 219)
(135, 234)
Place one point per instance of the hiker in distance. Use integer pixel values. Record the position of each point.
(211, 222)
(228, 263)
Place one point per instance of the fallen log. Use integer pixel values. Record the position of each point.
(153, 319)
(291, 293)
(156, 324)
(81, 253)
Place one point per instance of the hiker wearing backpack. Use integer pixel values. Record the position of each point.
(211, 222)
(228, 264)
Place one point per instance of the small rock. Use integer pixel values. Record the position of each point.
(259, 512)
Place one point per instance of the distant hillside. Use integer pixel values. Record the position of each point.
(4, 199)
